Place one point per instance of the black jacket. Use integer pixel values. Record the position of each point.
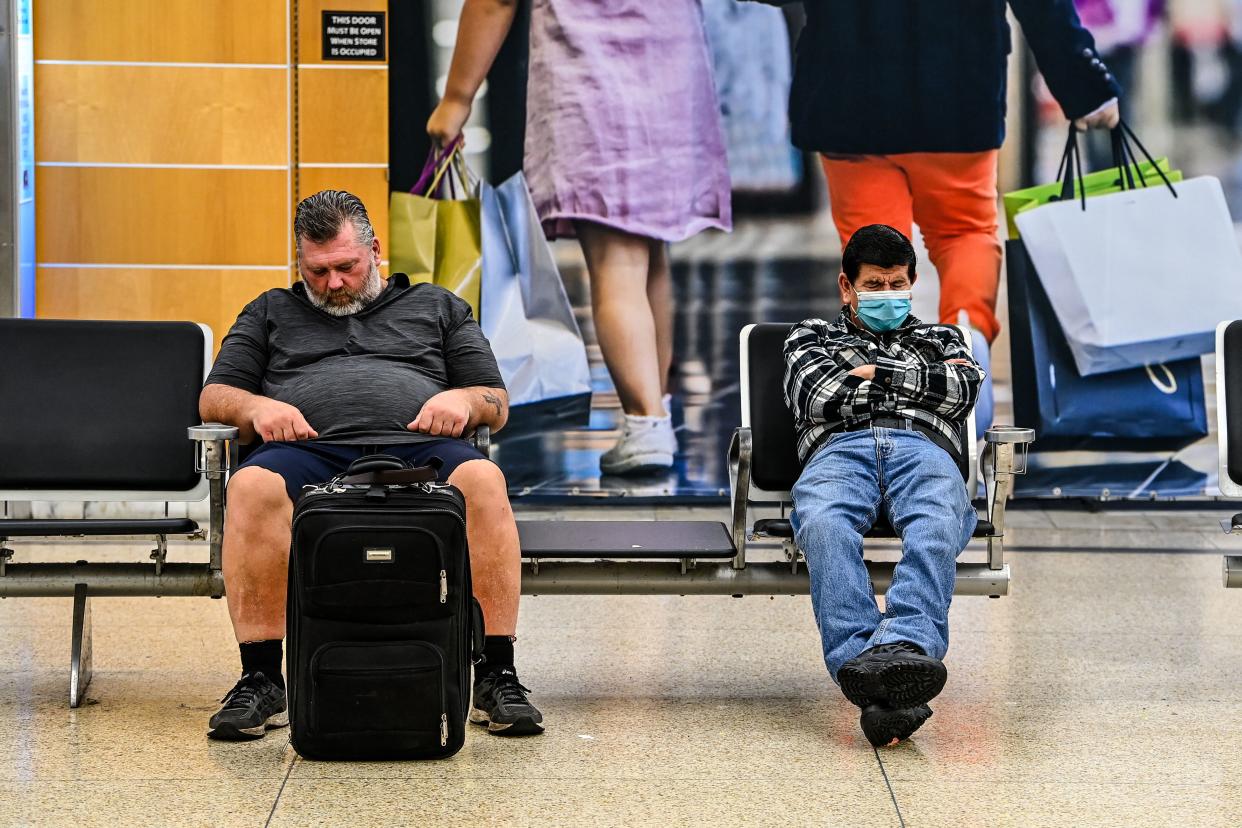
(892, 76)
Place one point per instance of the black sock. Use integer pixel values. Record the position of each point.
(497, 654)
(264, 657)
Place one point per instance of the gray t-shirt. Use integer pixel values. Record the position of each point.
(360, 378)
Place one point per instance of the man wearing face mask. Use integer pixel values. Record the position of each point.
(879, 399)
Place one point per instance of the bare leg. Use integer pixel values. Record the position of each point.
(660, 296)
(618, 264)
(256, 553)
(495, 553)
(260, 515)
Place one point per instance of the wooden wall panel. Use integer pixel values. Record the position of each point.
(213, 297)
(195, 31)
(162, 216)
(144, 114)
(162, 157)
(344, 116)
(370, 185)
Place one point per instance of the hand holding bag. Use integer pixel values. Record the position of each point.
(434, 238)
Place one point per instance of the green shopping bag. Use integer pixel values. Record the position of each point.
(1096, 183)
(437, 239)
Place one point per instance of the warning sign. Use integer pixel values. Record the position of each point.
(353, 35)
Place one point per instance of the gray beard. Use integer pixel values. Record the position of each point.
(370, 291)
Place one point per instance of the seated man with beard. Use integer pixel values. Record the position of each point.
(336, 367)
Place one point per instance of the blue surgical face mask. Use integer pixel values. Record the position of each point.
(883, 310)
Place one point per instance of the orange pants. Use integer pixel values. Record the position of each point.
(952, 196)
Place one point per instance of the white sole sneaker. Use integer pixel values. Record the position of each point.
(646, 463)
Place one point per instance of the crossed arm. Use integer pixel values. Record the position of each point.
(451, 413)
(826, 380)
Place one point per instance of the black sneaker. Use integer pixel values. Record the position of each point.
(500, 703)
(897, 674)
(255, 704)
(882, 724)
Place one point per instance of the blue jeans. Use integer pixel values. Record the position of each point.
(851, 480)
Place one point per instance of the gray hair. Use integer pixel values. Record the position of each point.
(320, 218)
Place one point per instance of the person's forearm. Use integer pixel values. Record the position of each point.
(951, 396)
(481, 30)
(228, 405)
(489, 407)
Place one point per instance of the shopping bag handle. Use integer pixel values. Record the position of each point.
(450, 168)
(1070, 170)
(435, 166)
(1123, 153)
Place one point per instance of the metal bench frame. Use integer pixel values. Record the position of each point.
(1229, 487)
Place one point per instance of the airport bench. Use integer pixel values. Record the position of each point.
(1229, 425)
(99, 411)
(708, 558)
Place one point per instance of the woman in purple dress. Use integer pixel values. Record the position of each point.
(624, 150)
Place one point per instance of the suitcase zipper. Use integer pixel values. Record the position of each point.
(443, 729)
(420, 510)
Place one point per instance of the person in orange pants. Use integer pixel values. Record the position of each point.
(905, 103)
(952, 197)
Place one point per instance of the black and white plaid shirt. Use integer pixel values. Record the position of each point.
(912, 378)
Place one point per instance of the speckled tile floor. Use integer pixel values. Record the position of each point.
(1104, 690)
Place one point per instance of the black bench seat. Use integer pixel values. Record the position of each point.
(641, 540)
(782, 528)
(74, 527)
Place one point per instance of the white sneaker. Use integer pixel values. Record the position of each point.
(647, 444)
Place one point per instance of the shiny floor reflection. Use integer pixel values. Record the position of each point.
(1102, 691)
(714, 301)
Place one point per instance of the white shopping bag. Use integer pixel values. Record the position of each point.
(524, 310)
(1140, 276)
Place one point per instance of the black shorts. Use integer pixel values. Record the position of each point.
(309, 462)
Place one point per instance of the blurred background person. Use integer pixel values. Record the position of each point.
(1121, 29)
(905, 103)
(623, 150)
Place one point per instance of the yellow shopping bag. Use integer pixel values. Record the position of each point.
(433, 238)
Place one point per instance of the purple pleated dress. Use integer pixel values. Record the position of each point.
(622, 122)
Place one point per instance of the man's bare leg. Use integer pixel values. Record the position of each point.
(256, 567)
(499, 700)
(256, 553)
(495, 554)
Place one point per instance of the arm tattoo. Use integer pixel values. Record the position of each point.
(492, 400)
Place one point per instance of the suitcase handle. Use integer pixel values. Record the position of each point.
(384, 469)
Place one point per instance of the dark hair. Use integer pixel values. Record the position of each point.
(878, 245)
(320, 217)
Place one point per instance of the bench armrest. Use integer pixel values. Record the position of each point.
(212, 431)
(1005, 456)
(482, 440)
(215, 456)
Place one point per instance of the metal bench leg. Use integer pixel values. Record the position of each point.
(80, 657)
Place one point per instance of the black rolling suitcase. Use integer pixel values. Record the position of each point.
(382, 623)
